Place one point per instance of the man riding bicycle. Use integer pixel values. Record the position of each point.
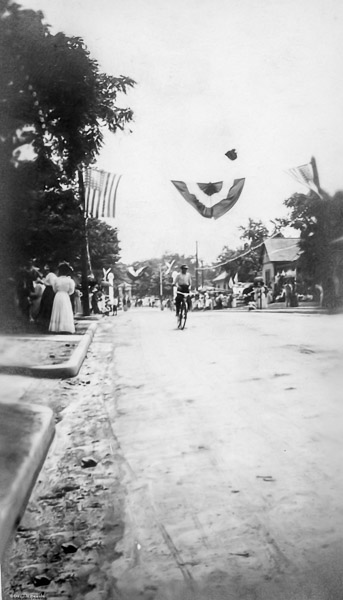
(183, 283)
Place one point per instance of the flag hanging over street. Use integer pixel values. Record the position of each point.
(100, 193)
(220, 208)
(305, 175)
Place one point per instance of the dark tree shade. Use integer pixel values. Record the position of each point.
(54, 98)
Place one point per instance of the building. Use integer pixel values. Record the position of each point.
(222, 282)
(279, 257)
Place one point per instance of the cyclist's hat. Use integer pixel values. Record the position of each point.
(184, 266)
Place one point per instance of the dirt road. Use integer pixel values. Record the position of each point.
(218, 454)
(231, 436)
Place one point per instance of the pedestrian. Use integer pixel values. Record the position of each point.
(294, 294)
(288, 294)
(36, 298)
(62, 318)
(260, 295)
(115, 305)
(319, 288)
(24, 291)
(47, 300)
(96, 298)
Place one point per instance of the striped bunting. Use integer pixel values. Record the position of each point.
(196, 194)
(305, 175)
(100, 193)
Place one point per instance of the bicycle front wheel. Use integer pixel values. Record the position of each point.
(182, 316)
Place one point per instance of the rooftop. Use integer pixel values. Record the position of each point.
(282, 249)
(224, 275)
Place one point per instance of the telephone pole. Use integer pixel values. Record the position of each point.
(84, 249)
(196, 266)
(161, 288)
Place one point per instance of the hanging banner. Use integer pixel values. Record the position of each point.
(218, 209)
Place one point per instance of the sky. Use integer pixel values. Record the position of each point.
(261, 76)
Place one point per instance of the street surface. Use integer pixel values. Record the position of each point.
(231, 437)
(217, 472)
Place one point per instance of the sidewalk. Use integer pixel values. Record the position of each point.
(67, 536)
(38, 354)
(280, 307)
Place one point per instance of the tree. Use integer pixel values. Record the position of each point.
(55, 103)
(50, 83)
(148, 284)
(320, 222)
(50, 229)
(249, 264)
(103, 246)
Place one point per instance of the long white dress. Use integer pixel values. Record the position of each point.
(62, 318)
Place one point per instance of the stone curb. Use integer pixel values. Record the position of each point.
(70, 368)
(296, 310)
(23, 451)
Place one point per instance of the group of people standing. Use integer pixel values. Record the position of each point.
(45, 298)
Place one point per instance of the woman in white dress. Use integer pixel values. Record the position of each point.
(62, 318)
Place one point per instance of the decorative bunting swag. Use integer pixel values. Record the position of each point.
(218, 209)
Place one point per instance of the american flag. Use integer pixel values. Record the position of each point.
(100, 193)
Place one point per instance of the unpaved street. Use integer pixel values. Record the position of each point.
(217, 472)
(231, 435)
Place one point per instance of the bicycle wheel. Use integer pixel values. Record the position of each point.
(182, 316)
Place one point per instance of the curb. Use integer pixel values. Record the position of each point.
(70, 368)
(290, 310)
(25, 438)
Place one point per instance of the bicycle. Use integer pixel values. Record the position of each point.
(183, 310)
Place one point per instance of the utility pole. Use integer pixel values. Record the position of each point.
(202, 273)
(84, 249)
(196, 266)
(315, 172)
(161, 288)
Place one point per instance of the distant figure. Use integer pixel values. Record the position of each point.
(96, 298)
(36, 298)
(24, 291)
(77, 300)
(294, 294)
(319, 288)
(288, 294)
(62, 318)
(115, 305)
(47, 300)
(260, 295)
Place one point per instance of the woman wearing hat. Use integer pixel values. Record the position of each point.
(62, 318)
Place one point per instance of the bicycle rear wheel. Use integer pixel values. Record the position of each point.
(182, 316)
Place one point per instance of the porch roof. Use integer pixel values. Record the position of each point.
(282, 249)
(222, 277)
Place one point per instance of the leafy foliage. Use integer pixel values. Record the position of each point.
(148, 284)
(55, 104)
(103, 246)
(249, 265)
(55, 101)
(51, 83)
(320, 222)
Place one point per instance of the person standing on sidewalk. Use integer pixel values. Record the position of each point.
(47, 300)
(62, 317)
